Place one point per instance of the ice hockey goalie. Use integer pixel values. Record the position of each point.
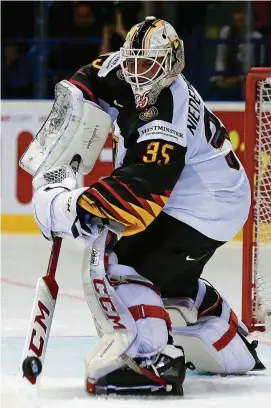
(176, 194)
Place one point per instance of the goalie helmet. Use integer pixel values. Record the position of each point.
(151, 58)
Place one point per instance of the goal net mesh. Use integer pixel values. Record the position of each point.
(262, 203)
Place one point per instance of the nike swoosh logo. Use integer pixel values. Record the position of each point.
(189, 259)
(117, 104)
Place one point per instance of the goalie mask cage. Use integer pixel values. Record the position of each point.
(256, 282)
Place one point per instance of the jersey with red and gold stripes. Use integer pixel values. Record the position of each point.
(174, 156)
(146, 169)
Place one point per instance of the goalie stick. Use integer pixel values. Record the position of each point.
(81, 127)
(42, 312)
(43, 306)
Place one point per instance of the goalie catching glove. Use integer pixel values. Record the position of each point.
(55, 206)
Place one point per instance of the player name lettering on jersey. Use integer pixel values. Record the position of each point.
(159, 129)
(193, 109)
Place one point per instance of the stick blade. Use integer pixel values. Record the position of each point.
(40, 322)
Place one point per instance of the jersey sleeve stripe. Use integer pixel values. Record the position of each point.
(82, 86)
(124, 203)
(155, 208)
(159, 200)
(141, 201)
(136, 220)
(113, 210)
(91, 207)
(133, 224)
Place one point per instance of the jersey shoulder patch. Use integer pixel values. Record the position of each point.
(112, 61)
(159, 129)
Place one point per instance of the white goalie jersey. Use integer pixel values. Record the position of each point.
(174, 156)
(212, 193)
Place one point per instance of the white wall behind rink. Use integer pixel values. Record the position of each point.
(28, 116)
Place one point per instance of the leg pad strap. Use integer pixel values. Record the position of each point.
(144, 311)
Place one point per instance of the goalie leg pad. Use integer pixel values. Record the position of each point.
(152, 333)
(115, 325)
(215, 341)
(120, 333)
(201, 342)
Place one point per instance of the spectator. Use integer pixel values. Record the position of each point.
(118, 17)
(17, 76)
(17, 26)
(82, 45)
(84, 27)
(231, 58)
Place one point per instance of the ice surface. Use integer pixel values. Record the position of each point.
(24, 259)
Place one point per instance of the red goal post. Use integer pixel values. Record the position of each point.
(256, 281)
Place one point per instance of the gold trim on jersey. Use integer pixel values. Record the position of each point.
(115, 148)
(91, 207)
(155, 207)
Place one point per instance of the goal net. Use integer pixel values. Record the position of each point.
(256, 302)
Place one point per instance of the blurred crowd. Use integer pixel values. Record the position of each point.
(44, 42)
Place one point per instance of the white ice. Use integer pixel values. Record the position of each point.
(24, 259)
